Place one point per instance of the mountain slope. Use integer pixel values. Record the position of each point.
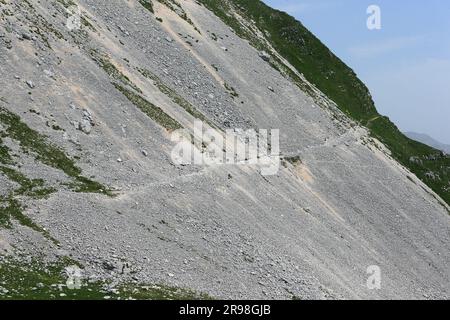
(89, 180)
(330, 75)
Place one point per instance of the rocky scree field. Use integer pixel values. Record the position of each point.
(87, 182)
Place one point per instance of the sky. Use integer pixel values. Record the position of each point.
(405, 64)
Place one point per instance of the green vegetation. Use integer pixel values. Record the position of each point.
(174, 96)
(147, 4)
(329, 74)
(231, 90)
(154, 112)
(11, 208)
(160, 292)
(33, 142)
(67, 3)
(178, 9)
(4, 153)
(34, 188)
(36, 281)
(431, 166)
(294, 160)
(103, 61)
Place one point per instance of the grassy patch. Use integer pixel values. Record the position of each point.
(33, 142)
(86, 185)
(160, 292)
(34, 188)
(154, 112)
(231, 90)
(4, 153)
(36, 281)
(178, 9)
(147, 4)
(293, 160)
(103, 61)
(10, 208)
(175, 97)
(67, 3)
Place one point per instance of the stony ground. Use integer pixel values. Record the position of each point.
(115, 202)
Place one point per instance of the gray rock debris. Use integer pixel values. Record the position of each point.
(86, 123)
(264, 55)
(192, 226)
(26, 36)
(30, 84)
(85, 126)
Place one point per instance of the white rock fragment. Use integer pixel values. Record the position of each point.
(30, 84)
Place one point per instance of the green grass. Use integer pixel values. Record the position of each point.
(10, 208)
(328, 73)
(174, 96)
(86, 185)
(103, 61)
(67, 3)
(231, 90)
(178, 9)
(294, 160)
(154, 112)
(34, 188)
(36, 281)
(403, 148)
(33, 142)
(4, 153)
(147, 4)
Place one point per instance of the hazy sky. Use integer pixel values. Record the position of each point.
(406, 64)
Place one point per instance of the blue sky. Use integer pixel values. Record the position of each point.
(406, 64)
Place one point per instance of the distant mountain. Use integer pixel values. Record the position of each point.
(426, 139)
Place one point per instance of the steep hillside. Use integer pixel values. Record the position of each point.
(268, 29)
(91, 196)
